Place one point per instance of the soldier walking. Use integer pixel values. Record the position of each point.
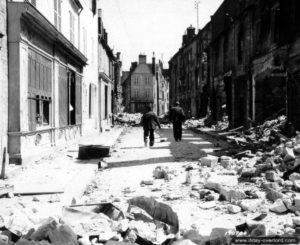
(177, 117)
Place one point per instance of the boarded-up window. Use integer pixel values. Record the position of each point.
(39, 90)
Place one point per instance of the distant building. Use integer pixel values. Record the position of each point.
(3, 83)
(145, 85)
(188, 70)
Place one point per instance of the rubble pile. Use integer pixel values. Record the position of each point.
(207, 122)
(265, 136)
(128, 119)
(194, 123)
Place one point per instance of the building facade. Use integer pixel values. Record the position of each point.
(189, 72)
(51, 64)
(3, 84)
(145, 84)
(106, 70)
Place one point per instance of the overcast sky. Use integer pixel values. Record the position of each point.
(147, 26)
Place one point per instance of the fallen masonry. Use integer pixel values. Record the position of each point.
(256, 184)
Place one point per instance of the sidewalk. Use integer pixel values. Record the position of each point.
(61, 170)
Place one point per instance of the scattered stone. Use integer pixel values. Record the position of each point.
(194, 236)
(217, 182)
(35, 199)
(212, 197)
(273, 195)
(271, 175)
(296, 221)
(250, 204)
(197, 187)
(231, 194)
(270, 185)
(209, 161)
(3, 239)
(159, 172)
(208, 205)
(278, 207)
(203, 193)
(234, 209)
(248, 172)
(289, 155)
(147, 182)
(294, 176)
(226, 161)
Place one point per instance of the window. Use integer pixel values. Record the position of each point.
(84, 41)
(147, 93)
(71, 20)
(39, 90)
(240, 46)
(136, 80)
(70, 88)
(92, 51)
(92, 5)
(148, 81)
(136, 93)
(57, 14)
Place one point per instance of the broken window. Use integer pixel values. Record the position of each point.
(39, 90)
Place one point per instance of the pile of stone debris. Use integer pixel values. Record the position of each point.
(207, 122)
(128, 119)
(146, 222)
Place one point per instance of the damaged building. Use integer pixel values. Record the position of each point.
(251, 62)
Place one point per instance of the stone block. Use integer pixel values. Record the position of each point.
(289, 155)
(226, 161)
(250, 204)
(294, 176)
(297, 149)
(234, 209)
(273, 195)
(270, 185)
(231, 194)
(217, 181)
(271, 175)
(296, 221)
(278, 207)
(212, 197)
(209, 161)
(248, 172)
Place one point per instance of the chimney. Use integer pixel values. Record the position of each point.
(190, 33)
(153, 63)
(142, 59)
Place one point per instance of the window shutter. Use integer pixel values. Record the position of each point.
(32, 112)
(94, 6)
(63, 97)
(78, 106)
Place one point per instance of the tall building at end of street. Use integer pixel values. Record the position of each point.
(144, 85)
